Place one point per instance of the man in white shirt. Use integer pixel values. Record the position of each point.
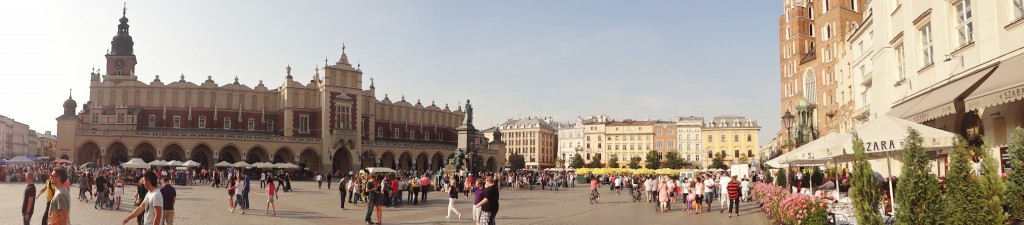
(648, 188)
(709, 191)
(263, 180)
(745, 189)
(319, 181)
(723, 192)
(152, 204)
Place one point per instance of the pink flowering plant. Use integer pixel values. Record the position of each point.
(788, 208)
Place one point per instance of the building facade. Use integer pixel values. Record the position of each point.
(15, 139)
(535, 138)
(47, 143)
(665, 138)
(594, 143)
(688, 132)
(570, 140)
(629, 138)
(811, 34)
(330, 123)
(735, 138)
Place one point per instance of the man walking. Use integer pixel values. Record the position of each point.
(425, 187)
(319, 181)
(169, 194)
(734, 196)
(101, 190)
(60, 206)
(49, 188)
(723, 192)
(28, 203)
(342, 183)
(489, 203)
(151, 208)
(263, 180)
(329, 181)
(245, 191)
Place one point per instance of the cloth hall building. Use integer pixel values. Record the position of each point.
(330, 123)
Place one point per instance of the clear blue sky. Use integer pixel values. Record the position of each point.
(626, 59)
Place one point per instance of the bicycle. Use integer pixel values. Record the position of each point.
(594, 196)
(636, 195)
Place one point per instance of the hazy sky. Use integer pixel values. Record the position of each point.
(626, 59)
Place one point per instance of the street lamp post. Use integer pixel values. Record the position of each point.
(787, 120)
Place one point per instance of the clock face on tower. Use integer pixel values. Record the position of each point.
(119, 64)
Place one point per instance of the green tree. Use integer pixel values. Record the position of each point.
(992, 187)
(782, 179)
(634, 162)
(559, 162)
(962, 195)
(1015, 177)
(717, 163)
(577, 161)
(917, 192)
(595, 162)
(653, 160)
(516, 161)
(673, 161)
(613, 162)
(864, 187)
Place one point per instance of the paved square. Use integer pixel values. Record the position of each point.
(201, 204)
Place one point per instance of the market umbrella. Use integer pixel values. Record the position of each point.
(643, 171)
(175, 163)
(62, 161)
(584, 170)
(136, 163)
(158, 163)
(3, 161)
(222, 164)
(20, 160)
(288, 166)
(241, 164)
(264, 165)
(190, 163)
(666, 171)
(380, 170)
(89, 165)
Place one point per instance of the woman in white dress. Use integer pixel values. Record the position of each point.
(118, 191)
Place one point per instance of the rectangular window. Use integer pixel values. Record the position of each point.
(304, 124)
(900, 71)
(658, 144)
(440, 136)
(396, 133)
(670, 144)
(711, 138)
(120, 118)
(723, 138)
(736, 137)
(426, 135)
(152, 120)
(252, 124)
(659, 132)
(926, 45)
(750, 137)
(202, 122)
(177, 121)
(270, 126)
(380, 132)
(227, 123)
(344, 118)
(964, 27)
(412, 134)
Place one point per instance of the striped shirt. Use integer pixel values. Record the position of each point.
(734, 190)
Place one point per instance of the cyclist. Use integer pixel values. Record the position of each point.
(594, 186)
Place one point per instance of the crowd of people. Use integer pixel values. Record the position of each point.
(697, 193)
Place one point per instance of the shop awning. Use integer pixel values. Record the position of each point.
(938, 101)
(1005, 85)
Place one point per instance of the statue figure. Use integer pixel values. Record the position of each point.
(457, 158)
(468, 120)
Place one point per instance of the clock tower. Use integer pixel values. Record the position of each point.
(121, 58)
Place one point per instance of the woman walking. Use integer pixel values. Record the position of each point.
(453, 193)
(271, 188)
(231, 193)
(663, 194)
(698, 191)
(118, 191)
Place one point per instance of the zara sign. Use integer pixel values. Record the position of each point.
(884, 145)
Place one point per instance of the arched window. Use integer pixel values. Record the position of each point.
(810, 31)
(810, 12)
(824, 8)
(810, 86)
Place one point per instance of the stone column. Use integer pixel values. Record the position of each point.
(159, 154)
(103, 156)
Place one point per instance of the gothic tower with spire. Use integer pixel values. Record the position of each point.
(121, 58)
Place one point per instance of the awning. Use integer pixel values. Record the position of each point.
(886, 134)
(1005, 85)
(938, 101)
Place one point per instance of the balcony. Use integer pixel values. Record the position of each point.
(862, 113)
(866, 79)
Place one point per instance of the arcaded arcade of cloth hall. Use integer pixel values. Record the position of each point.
(330, 123)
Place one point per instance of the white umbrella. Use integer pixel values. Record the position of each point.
(158, 163)
(222, 164)
(286, 166)
(190, 163)
(175, 163)
(380, 170)
(264, 165)
(241, 164)
(136, 163)
(20, 160)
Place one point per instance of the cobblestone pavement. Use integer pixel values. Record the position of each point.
(201, 204)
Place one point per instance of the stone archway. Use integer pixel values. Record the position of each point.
(341, 160)
(174, 152)
(284, 155)
(491, 165)
(387, 160)
(421, 162)
(367, 159)
(117, 146)
(203, 155)
(89, 152)
(405, 161)
(230, 154)
(310, 159)
(437, 161)
(256, 154)
(146, 152)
